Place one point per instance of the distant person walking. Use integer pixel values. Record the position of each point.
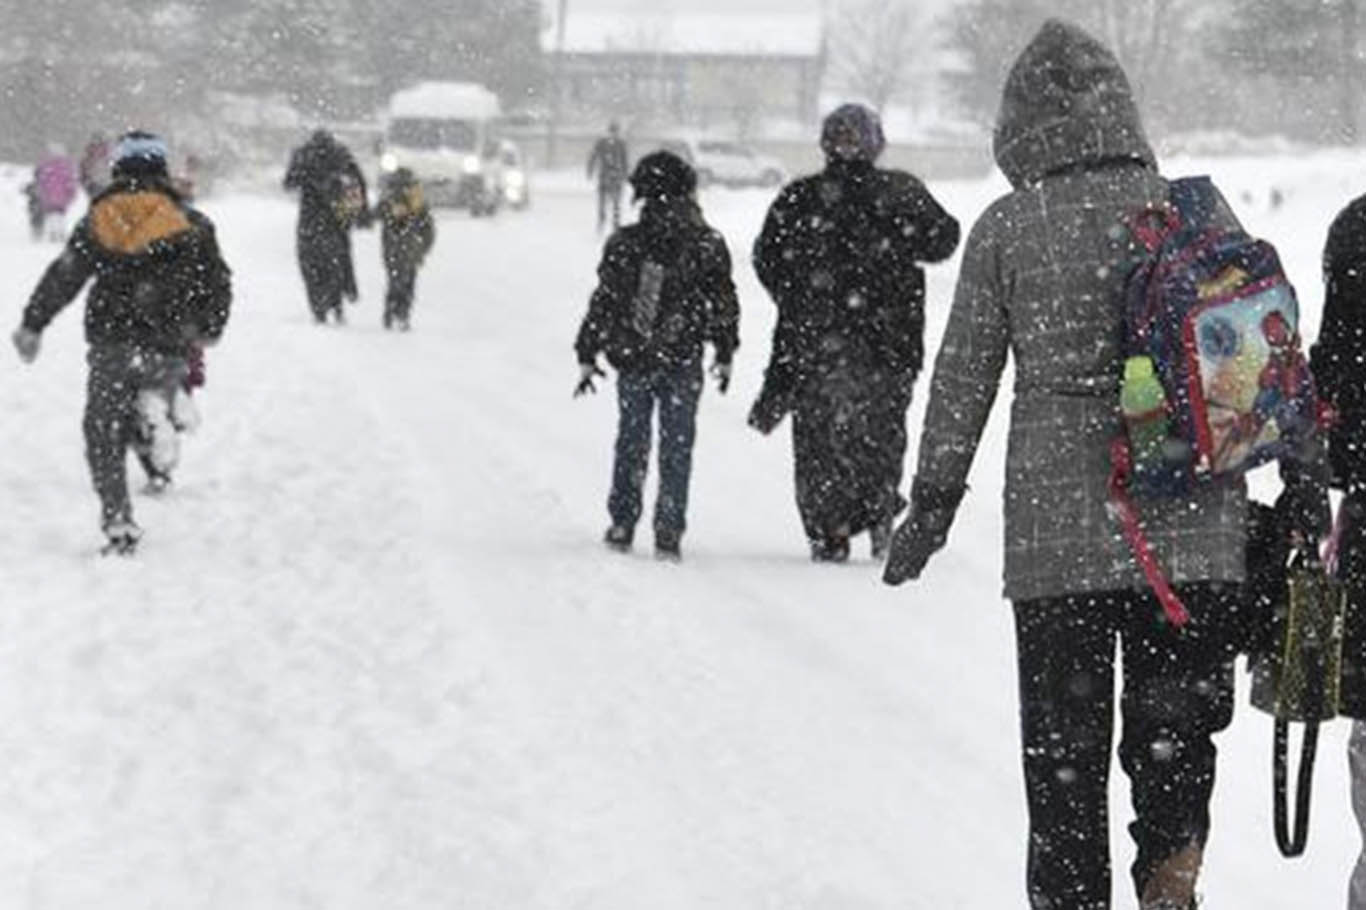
(407, 233)
(332, 200)
(840, 255)
(55, 187)
(95, 165)
(609, 162)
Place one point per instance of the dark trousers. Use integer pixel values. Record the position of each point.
(112, 424)
(849, 448)
(398, 301)
(675, 390)
(328, 272)
(1177, 691)
(609, 196)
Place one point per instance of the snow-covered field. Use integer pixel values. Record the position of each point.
(372, 654)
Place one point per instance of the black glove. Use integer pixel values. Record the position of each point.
(722, 373)
(1304, 512)
(923, 533)
(587, 373)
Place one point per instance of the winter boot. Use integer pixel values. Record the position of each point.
(830, 549)
(156, 442)
(1172, 884)
(619, 538)
(121, 537)
(667, 546)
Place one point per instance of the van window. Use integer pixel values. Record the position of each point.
(432, 133)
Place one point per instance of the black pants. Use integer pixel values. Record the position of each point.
(398, 300)
(112, 424)
(1177, 691)
(609, 196)
(675, 391)
(849, 448)
(328, 272)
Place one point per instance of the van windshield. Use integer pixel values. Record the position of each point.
(433, 133)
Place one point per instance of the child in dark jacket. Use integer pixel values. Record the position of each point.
(664, 288)
(407, 236)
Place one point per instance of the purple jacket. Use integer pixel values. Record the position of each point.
(55, 178)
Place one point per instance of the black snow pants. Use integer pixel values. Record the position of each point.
(398, 300)
(1177, 691)
(849, 449)
(609, 197)
(325, 261)
(113, 424)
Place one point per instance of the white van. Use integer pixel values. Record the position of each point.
(444, 132)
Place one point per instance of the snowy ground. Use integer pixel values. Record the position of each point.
(373, 655)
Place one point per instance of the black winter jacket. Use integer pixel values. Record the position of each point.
(664, 288)
(1338, 357)
(840, 255)
(160, 282)
(408, 231)
(1338, 361)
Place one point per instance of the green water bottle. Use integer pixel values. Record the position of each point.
(1144, 405)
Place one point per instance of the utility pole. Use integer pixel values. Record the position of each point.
(556, 88)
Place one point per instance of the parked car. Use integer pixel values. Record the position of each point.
(719, 161)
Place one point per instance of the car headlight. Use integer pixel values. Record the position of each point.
(515, 179)
(471, 164)
(388, 162)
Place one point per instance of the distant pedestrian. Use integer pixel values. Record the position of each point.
(664, 289)
(407, 234)
(609, 162)
(95, 165)
(332, 201)
(55, 185)
(840, 255)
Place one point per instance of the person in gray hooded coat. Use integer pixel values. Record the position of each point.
(1041, 279)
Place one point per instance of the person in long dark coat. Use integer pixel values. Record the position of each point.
(161, 290)
(1338, 361)
(332, 200)
(840, 254)
(1041, 282)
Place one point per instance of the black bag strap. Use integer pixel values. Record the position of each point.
(1293, 847)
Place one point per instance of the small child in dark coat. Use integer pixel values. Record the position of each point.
(407, 235)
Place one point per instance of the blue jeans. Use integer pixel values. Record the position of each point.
(676, 390)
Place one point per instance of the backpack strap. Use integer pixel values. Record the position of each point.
(1121, 464)
(1292, 846)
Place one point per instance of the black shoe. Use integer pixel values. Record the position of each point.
(831, 549)
(667, 546)
(121, 538)
(619, 538)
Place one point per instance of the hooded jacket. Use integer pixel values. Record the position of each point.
(160, 282)
(693, 303)
(1041, 281)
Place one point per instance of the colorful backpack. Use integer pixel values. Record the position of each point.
(1212, 309)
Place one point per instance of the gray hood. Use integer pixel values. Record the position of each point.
(1066, 104)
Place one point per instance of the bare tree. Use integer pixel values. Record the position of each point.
(874, 46)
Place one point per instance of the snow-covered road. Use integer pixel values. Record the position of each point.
(372, 653)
